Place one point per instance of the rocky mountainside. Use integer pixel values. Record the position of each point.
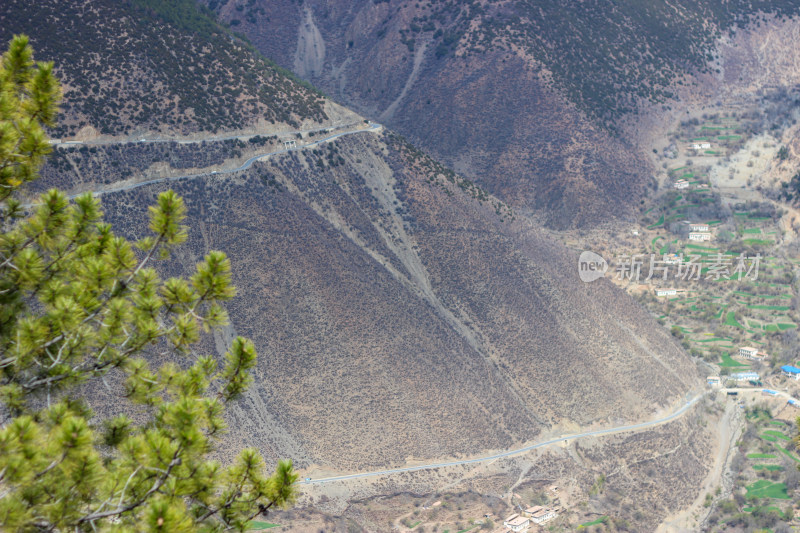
(400, 311)
(400, 314)
(527, 98)
(137, 66)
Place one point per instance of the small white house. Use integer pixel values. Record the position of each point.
(666, 292)
(699, 236)
(700, 146)
(748, 352)
(672, 259)
(713, 381)
(517, 523)
(542, 515)
(681, 184)
(745, 376)
(698, 226)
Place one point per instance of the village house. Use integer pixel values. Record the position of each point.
(700, 146)
(666, 292)
(713, 381)
(791, 371)
(517, 523)
(539, 514)
(748, 352)
(746, 376)
(698, 226)
(700, 236)
(672, 259)
(681, 184)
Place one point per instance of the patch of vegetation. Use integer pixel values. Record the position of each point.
(767, 489)
(256, 525)
(602, 520)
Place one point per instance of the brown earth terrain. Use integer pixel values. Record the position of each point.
(388, 329)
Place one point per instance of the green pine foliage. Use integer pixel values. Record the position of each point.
(77, 301)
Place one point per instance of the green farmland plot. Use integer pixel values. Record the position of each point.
(728, 362)
(260, 526)
(702, 248)
(788, 454)
(730, 320)
(602, 520)
(657, 224)
(777, 434)
(770, 307)
(654, 242)
(771, 468)
(758, 242)
(767, 489)
(761, 456)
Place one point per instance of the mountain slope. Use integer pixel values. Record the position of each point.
(399, 310)
(142, 66)
(527, 98)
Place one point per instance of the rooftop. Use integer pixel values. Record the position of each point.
(790, 369)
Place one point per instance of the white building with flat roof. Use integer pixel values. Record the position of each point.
(699, 236)
(698, 226)
(517, 523)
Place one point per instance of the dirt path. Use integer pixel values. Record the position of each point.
(693, 517)
(419, 56)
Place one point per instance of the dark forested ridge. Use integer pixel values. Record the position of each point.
(143, 65)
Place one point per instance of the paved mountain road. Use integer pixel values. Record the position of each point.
(211, 138)
(600, 432)
(373, 127)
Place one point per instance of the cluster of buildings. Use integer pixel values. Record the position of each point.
(534, 516)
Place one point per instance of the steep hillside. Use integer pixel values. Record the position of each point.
(138, 65)
(518, 95)
(399, 310)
